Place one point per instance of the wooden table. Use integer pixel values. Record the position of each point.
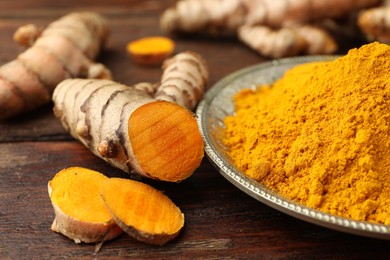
(221, 221)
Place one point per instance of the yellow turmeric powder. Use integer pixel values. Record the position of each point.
(320, 135)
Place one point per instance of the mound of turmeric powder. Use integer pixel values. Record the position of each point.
(320, 135)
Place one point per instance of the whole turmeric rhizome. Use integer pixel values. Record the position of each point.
(92, 208)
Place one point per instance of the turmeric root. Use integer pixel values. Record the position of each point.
(375, 23)
(287, 41)
(282, 43)
(133, 131)
(267, 19)
(183, 80)
(151, 50)
(142, 211)
(65, 49)
(80, 213)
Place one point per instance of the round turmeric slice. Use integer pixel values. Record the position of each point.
(80, 213)
(165, 140)
(143, 212)
(151, 50)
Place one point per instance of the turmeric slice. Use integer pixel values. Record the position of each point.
(143, 212)
(165, 140)
(151, 50)
(80, 213)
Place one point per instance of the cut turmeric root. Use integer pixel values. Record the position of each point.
(151, 50)
(80, 213)
(131, 129)
(142, 211)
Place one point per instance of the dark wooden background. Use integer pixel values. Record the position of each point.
(221, 221)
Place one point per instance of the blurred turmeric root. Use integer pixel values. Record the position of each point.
(273, 28)
(375, 23)
(65, 49)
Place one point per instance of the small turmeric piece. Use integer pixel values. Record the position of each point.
(151, 50)
(143, 212)
(80, 213)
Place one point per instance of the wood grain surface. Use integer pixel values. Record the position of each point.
(221, 221)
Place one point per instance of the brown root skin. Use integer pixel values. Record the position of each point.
(272, 43)
(147, 87)
(96, 112)
(67, 188)
(184, 79)
(65, 49)
(142, 211)
(84, 232)
(27, 34)
(317, 39)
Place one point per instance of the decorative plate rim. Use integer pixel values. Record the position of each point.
(262, 193)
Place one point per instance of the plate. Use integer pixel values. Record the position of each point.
(218, 103)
